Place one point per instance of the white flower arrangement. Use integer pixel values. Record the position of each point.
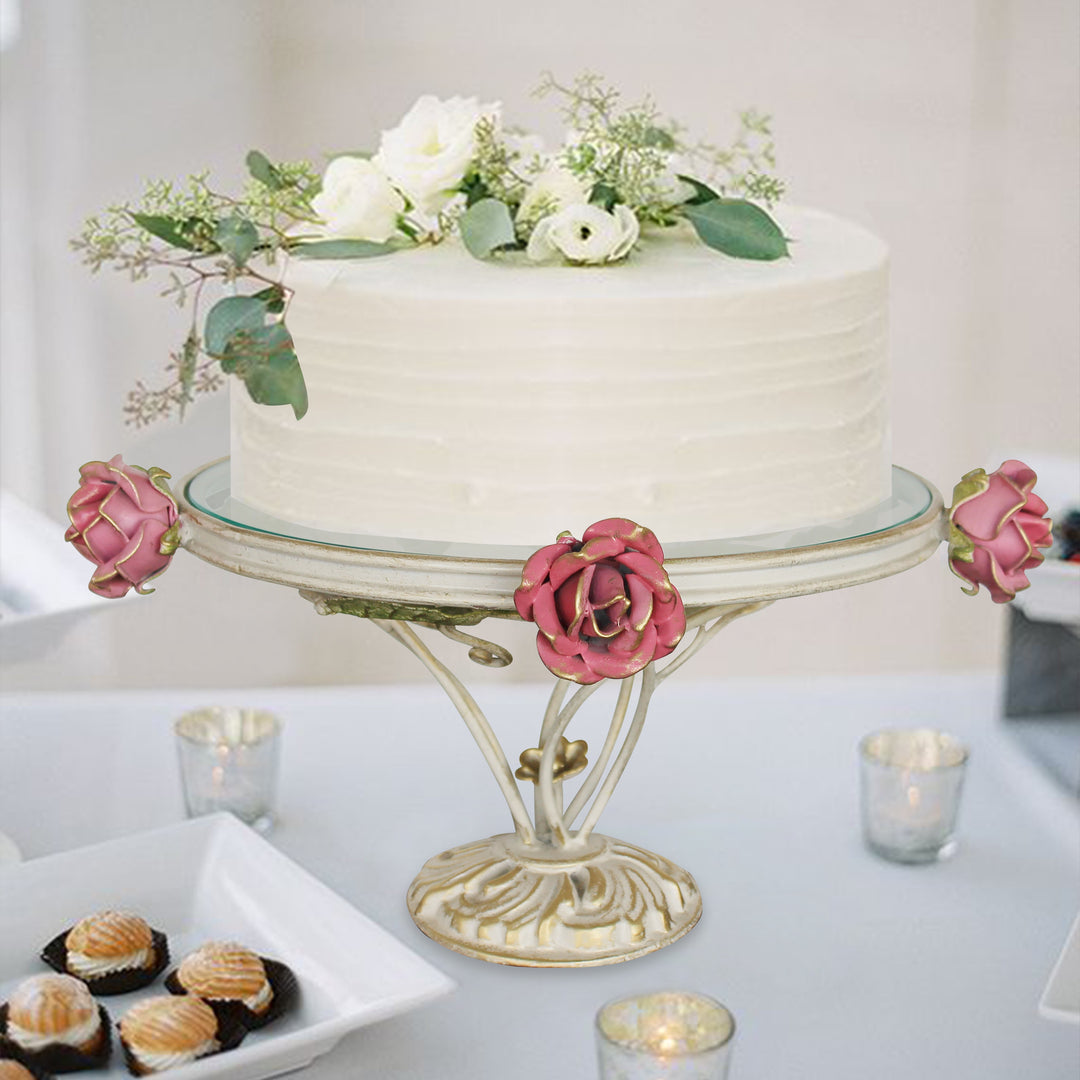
(449, 167)
(453, 168)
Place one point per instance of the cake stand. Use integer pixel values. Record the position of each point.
(553, 892)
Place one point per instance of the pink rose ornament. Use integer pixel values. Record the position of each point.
(996, 525)
(603, 605)
(125, 520)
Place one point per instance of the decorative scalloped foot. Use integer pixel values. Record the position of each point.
(540, 906)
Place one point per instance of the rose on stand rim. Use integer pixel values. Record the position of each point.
(604, 606)
(125, 520)
(996, 526)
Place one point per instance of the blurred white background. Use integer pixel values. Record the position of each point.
(951, 129)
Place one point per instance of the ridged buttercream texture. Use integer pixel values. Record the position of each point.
(502, 402)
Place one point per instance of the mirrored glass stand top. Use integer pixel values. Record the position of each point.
(553, 892)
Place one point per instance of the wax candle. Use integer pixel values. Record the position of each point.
(669, 1035)
(911, 785)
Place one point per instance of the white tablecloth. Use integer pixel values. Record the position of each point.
(837, 966)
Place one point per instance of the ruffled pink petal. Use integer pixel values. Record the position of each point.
(549, 625)
(607, 585)
(142, 560)
(617, 613)
(571, 601)
(1023, 476)
(566, 667)
(90, 491)
(136, 484)
(99, 470)
(620, 663)
(122, 512)
(1038, 530)
(1011, 547)
(985, 570)
(104, 541)
(670, 631)
(82, 517)
(534, 574)
(631, 534)
(641, 602)
(111, 587)
(1035, 505)
(648, 568)
(983, 517)
(603, 547)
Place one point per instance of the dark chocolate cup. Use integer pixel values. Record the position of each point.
(282, 981)
(117, 982)
(230, 1035)
(35, 1071)
(58, 1058)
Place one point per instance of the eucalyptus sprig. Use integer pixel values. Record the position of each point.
(198, 237)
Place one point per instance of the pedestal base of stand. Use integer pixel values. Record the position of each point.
(542, 906)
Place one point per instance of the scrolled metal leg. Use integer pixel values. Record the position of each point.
(549, 894)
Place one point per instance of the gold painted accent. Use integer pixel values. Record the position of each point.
(969, 486)
(570, 759)
(961, 546)
(170, 540)
(544, 906)
(430, 614)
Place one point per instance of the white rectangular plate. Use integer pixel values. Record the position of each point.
(1061, 998)
(214, 878)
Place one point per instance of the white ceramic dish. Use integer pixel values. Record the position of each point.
(215, 878)
(1061, 998)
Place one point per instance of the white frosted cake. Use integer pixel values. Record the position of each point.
(503, 402)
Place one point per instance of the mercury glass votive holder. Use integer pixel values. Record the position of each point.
(911, 784)
(229, 761)
(669, 1035)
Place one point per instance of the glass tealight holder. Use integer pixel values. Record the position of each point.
(669, 1035)
(229, 761)
(911, 784)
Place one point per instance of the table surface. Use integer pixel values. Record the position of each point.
(836, 964)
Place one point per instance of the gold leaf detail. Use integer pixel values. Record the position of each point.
(570, 759)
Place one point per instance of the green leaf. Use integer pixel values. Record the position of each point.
(237, 237)
(266, 360)
(171, 230)
(341, 249)
(604, 196)
(486, 226)
(260, 166)
(659, 137)
(702, 192)
(274, 298)
(474, 189)
(737, 228)
(231, 316)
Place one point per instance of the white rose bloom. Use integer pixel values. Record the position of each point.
(584, 233)
(553, 188)
(429, 152)
(357, 201)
